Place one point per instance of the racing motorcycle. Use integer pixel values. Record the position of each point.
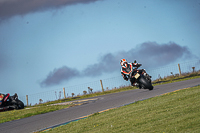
(142, 78)
(10, 102)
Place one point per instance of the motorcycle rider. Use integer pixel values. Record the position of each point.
(1, 99)
(3, 96)
(126, 70)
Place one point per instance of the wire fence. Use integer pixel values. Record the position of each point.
(108, 84)
(185, 67)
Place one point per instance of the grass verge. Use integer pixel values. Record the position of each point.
(173, 112)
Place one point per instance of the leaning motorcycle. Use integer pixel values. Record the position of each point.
(142, 78)
(11, 102)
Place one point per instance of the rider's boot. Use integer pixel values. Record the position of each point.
(136, 84)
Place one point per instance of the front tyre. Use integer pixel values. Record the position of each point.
(147, 84)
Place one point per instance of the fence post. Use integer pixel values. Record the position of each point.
(26, 100)
(101, 85)
(179, 69)
(64, 93)
(193, 68)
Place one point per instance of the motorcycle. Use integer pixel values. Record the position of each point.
(10, 102)
(142, 78)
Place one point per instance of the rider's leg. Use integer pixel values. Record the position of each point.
(134, 83)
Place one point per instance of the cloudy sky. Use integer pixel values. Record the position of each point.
(51, 44)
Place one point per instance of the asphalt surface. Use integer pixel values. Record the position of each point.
(90, 106)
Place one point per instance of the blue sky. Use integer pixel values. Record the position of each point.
(49, 44)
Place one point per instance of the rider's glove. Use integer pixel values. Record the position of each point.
(125, 78)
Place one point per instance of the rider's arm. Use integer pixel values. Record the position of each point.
(136, 64)
(124, 76)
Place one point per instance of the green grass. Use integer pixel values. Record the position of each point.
(176, 78)
(44, 108)
(173, 112)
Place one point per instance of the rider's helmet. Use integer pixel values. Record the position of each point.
(124, 63)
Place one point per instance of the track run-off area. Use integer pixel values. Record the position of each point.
(90, 106)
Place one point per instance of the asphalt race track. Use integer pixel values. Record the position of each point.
(90, 106)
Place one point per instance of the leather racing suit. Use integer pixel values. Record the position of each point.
(127, 71)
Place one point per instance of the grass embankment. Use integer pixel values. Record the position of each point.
(43, 108)
(176, 78)
(173, 112)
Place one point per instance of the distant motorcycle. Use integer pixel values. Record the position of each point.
(142, 78)
(11, 102)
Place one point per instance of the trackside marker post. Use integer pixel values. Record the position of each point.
(179, 69)
(26, 100)
(101, 85)
(64, 93)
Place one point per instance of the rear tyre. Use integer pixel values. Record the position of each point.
(147, 84)
(20, 104)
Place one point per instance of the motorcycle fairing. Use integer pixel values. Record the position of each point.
(5, 99)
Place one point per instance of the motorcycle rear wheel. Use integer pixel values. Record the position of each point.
(147, 84)
(20, 104)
